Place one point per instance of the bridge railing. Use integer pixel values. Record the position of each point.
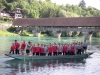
(87, 29)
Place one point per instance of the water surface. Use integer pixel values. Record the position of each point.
(89, 66)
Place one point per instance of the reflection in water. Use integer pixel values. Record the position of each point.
(39, 39)
(59, 39)
(90, 39)
(44, 67)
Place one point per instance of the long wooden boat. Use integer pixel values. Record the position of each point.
(30, 57)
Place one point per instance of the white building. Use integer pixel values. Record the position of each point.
(16, 13)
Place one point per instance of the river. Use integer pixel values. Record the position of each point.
(89, 66)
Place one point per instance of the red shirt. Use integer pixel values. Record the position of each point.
(12, 47)
(72, 48)
(50, 49)
(23, 45)
(65, 48)
(54, 48)
(42, 50)
(17, 45)
(38, 49)
(33, 49)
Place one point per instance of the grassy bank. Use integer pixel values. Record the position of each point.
(7, 33)
(24, 33)
(27, 33)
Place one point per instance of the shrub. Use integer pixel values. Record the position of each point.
(80, 34)
(96, 34)
(49, 33)
(12, 29)
(24, 33)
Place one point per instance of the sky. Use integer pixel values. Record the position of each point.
(93, 3)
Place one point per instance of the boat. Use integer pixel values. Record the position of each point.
(30, 57)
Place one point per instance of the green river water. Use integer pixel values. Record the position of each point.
(89, 66)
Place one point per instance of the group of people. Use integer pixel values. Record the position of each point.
(51, 49)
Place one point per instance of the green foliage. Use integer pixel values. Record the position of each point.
(49, 33)
(26, 33)
(45, 9)
(12, 29)
(5, 19)
(62, 13)
(71, 34)
(1, 5)
(80, 34)
(7, 33)
(76, 33)
(82, 4)
(1, 18)
(96, 34)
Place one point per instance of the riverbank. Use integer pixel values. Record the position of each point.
(25, 33)
(7, 33)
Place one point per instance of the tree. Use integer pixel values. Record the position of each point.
(82, 4)
(48, 0)
(47, 9)
(62, 13)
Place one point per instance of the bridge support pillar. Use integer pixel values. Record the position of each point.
(56, 34)
(87, 35)
(36, 33)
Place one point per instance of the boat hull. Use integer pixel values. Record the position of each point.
(26, 57)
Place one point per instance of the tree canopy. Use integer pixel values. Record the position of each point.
(45, 8)
(82, 4)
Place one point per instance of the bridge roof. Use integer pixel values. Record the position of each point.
(72, 21)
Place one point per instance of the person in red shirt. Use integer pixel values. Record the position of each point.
(17, 45)
(72, 49)
(38, 50)
(33, 49)
(42, 50)
(49, 50)
(23, 45)
(12, 48)
(65, 49)
(55, 49)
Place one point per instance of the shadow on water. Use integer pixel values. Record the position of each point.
(20, 66)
